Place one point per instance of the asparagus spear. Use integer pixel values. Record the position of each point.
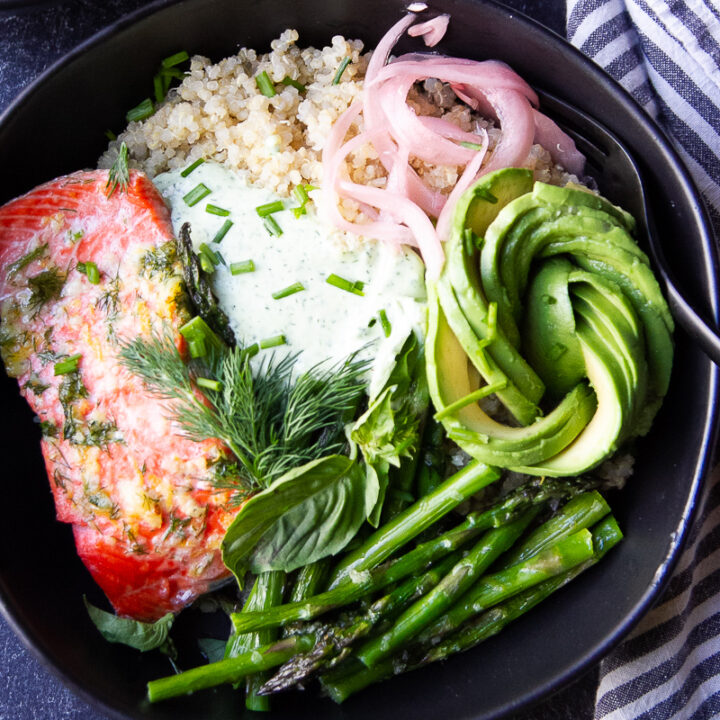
(424, 512)
(359, 584)
(346, 680)
(309, 580)
(266, 593)
(334, 640)
(493, 589)
(442, 596)
(230, 670)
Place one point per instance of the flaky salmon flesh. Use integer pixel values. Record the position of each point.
(142, 499)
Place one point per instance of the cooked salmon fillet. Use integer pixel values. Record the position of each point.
(147, 516)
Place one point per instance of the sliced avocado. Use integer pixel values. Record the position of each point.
(560, 264)
(449, 381)
(460, 290)
(549, 340)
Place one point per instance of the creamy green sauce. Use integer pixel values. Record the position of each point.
(322, 323)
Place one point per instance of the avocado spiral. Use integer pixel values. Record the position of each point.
(545, 297)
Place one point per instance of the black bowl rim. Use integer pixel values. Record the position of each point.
(710, 426)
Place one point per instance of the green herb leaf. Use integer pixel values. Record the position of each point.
(287, 80)
(347, 285)
(309, 513)
(238, 268)
(341, 69)
(199, 192)
(119, 175)
(223, 231)
(269, 208)
(176, 59)
(140, 112)
(264, 84)
(192, 167)
(289, 290)
(142, 636)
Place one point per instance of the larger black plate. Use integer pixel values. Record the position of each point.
(57, 126)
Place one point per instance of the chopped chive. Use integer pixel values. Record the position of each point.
(208, 383)
(341, 70)
(199, 192)
(471, 398)
(160, 88)
(272, 226)
(220, 258)
(471, 145)
(192, 167)
(287, 80)
(486, 195)
(110, 135)
(386, 326)
(269, 208)
(289, 290)
(238, 268)
(208, 258)
(273, 341)
(89, 269)
(300, 193)
(343, 284)
(265, 86)
(68, 365)
(176, 59)
(206, 264)
(215, 210)
(223, 231)
(251, 350)
(140, 112)
(197, 348)
(197, 330)
(359, 285)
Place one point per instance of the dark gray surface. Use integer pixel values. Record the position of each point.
(30, 41)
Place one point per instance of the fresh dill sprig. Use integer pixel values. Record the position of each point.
(45, 286)
(119, 175)
(271, 421)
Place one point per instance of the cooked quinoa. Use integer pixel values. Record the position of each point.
(218, 113)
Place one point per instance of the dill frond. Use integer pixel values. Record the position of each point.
(119, 175)
(271, 422)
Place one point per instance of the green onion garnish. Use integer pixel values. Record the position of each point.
(287, 80)
(176, 59)
(273, 342)
(206, 264)
(265, 86)
(190, 168)
(110, 135)
(215, 210)
(251, 350)
(272, 226)
(471, 145)
(68, 365)
(269, 208)
(344, 284)
(91, 270)
(197, 348)
(211, 255)
(220, 258)
(301, 195)
(341, 70)
(471, 398)
(222, 232)
(199, 332)
(238, 268)
(196, 194)
(289, 290)
(160, 87)
(215, 385)
(386, 326)
(140, 112)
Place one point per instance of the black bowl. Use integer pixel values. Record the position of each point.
(57, 125)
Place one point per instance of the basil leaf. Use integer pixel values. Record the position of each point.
(306, 514)
(135, 633)
(390, 428)
(212, 649)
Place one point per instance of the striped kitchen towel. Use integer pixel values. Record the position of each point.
(667, 54)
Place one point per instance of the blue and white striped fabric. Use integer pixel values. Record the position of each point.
(667, 54)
